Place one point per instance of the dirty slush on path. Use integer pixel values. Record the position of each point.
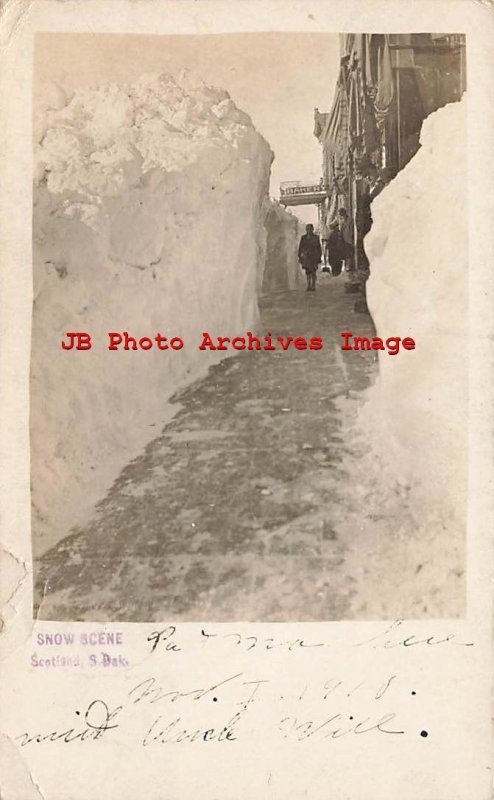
(230, 514)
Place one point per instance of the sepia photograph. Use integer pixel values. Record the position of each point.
(249, 375)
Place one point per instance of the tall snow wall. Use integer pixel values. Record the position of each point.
(418, 287)
(282, 271)
(149, 203)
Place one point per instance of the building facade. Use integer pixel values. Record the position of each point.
(387, 85)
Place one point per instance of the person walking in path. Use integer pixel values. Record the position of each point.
(310, 255)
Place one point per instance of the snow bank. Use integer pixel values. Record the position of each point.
(282, 270)
(149, 202)
(419, 287)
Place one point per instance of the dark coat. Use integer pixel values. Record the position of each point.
(309, 251)
(336, 248)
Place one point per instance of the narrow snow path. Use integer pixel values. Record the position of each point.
(235, 511)
(226, 514)
(253, 503)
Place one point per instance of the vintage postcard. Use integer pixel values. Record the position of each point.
(246, 423)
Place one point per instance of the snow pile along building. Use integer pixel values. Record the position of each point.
(149, 204)
(418, 287)
(282, 271)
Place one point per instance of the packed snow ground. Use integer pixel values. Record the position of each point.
(260, 502)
